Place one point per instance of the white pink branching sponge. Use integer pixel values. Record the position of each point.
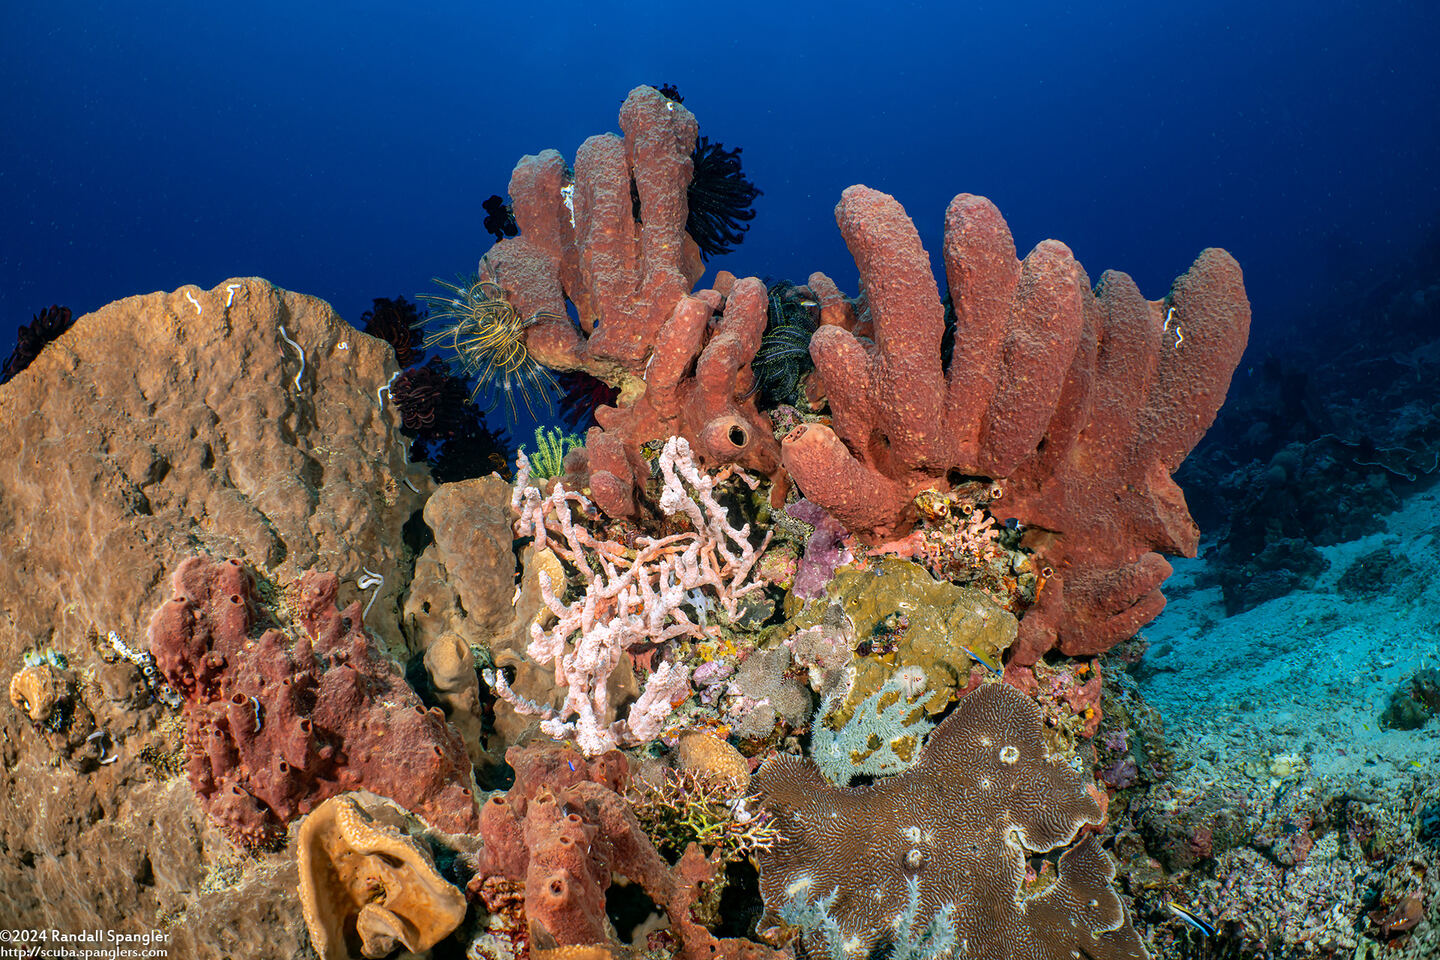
(633, 596)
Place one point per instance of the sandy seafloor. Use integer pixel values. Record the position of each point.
(1307, 674)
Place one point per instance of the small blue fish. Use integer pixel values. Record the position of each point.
(981, 660)
(572, 765)
(1012, 523)
(1191, 919)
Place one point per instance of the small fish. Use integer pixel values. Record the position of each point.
(1190, 918)
(572, 765)
(1402, 919)
(1417, 765)
(981, 660)
(1012, 523)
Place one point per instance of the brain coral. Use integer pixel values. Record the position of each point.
(984, 797)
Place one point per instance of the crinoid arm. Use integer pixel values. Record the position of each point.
(475, 320)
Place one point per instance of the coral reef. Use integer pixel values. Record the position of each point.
(869, 693)
(1039, 361)
(983, 797)
(678, 807)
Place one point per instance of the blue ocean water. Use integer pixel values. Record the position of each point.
(344, 150)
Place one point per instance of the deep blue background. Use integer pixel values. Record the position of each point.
(343, 150)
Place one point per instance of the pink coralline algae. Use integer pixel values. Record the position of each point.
(277, 723)
(825, 550)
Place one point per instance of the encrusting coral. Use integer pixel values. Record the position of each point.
(901, 616)
(963, 823)
(367, 888)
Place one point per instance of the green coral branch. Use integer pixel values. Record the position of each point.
(551, 445)
(689, 807)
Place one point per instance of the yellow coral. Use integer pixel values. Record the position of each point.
(905, 617)
(708, 756)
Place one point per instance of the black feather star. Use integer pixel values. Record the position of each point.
(721, 199)
(396, 322)
(32, 337)
(783, 360)
(499, 218)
